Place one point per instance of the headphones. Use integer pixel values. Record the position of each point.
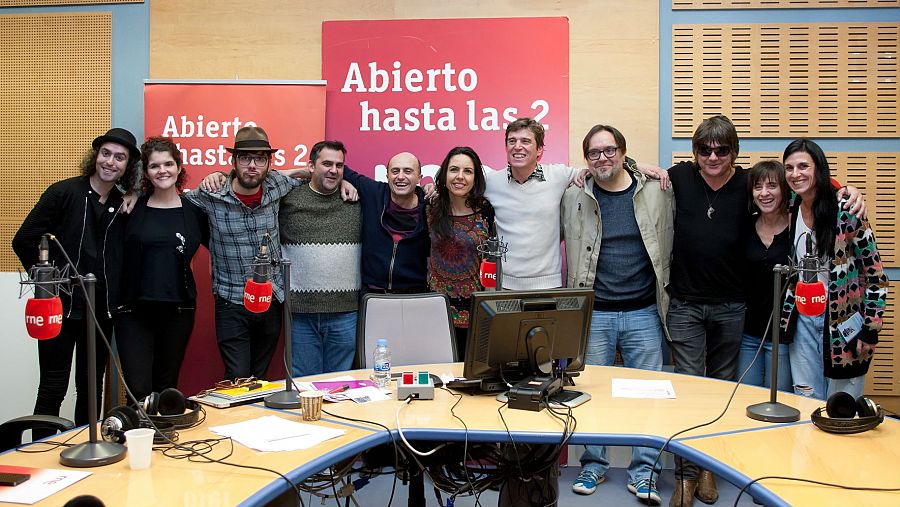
(842, 408)
(167, 410)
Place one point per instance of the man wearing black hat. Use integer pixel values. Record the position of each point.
(240, 214)
(82, 212)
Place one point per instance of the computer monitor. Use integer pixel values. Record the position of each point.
(522, 333)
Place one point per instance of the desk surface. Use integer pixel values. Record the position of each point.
(736, 447)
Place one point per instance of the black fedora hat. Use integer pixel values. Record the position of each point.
(251, 139)
(119, 136)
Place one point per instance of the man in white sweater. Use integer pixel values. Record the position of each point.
(526, 199)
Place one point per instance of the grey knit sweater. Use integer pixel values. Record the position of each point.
(320, 236)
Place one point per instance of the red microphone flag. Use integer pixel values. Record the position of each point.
(257, 296)
(810, 298)
(43, 317)
(488, 274)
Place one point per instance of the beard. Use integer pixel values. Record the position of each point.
(607, 175)
(251, 182)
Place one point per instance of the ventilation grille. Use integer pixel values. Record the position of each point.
(824, 80)
(883, 377)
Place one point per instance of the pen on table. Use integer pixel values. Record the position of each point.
(339, 389)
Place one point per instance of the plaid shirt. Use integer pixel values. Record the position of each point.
(537, 174)
(236, 232)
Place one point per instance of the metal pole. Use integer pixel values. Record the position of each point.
(289, 398)
(93, 453)
(772, 411)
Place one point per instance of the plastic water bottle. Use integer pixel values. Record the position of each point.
(382, 364)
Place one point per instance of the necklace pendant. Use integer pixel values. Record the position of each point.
(709, 212)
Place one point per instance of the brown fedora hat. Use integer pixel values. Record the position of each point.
(251, 139)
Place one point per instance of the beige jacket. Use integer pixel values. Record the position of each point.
(654, 210)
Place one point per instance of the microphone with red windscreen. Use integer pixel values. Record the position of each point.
(258, 290)
(487, 273)
(810, 293)
(43, 312)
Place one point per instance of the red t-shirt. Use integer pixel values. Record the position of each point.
(251, 200)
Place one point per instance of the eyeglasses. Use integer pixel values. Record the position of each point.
(247, 159)
(609, 151)
(720, 151)
(228, 384)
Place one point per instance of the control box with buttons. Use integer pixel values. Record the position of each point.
(417, 385)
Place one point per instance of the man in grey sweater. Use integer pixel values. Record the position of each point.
(320, 234)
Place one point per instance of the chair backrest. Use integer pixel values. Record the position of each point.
(418, 328)
(11, 431)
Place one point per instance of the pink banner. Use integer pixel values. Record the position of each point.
(427, 85)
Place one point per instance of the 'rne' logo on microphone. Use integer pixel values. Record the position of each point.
(38, 320)
(801, 300)
(254, 299)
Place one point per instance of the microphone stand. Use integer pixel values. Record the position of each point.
(95, 452)
(289, 398)
(772, 410)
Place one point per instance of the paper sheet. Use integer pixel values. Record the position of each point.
(272, 433)
(632, 388)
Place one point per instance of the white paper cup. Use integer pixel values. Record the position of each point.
(311, 404)
(140, 447)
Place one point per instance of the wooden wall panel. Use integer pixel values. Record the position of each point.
(614, 78)
(54, 99)
(779, 4)
(788, 80)
(884, 374)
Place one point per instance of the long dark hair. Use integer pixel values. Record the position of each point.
(825, 206)
(441, 212)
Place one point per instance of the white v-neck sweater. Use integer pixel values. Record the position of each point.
(527, 218)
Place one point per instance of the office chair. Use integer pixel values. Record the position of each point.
(11, 431)
(418, 327)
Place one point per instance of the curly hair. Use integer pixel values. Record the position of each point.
(165, 145)
(89, 166)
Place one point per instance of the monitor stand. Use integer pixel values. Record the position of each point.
(535, 393)
(562, 399)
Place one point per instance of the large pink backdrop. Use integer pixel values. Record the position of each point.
(427, 85)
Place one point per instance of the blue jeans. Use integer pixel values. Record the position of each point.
(638, 335)
(759, 373)
(322, 342)
(808, 366)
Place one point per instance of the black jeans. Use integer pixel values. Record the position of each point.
(706, 340)
(55, 359)
(152, 338)
(246, 340)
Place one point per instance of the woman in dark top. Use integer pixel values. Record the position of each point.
(459, 220)
(157, 298)
(768, 244)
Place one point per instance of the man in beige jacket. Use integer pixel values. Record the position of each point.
(618, 232)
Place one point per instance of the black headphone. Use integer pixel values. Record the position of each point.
(842, 408)
(117, 421)
(168, 410)
(170, 407)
